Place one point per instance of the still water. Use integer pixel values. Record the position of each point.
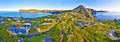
(108, 15)
(100, 15)
(24, 15)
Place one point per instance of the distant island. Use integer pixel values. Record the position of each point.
(58, 11)
(46, 11)
(101, 11)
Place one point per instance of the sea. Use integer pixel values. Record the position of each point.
(24, 15)
(99, 15)
(108, 15)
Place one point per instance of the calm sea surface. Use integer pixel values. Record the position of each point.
(108, 15)
(100, 15)
(24, 15)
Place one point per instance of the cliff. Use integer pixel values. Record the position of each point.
(86, 11)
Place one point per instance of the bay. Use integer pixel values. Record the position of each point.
(24, 15)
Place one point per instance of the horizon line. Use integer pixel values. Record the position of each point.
(61, 9)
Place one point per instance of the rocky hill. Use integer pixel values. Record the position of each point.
(79, 25)
(86, 11)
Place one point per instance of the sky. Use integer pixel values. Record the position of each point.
(15, 5)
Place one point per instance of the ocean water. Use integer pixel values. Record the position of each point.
(108, 15)
(24, 15)
(100, 15)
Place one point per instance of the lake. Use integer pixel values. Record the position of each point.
(108, 15)
(24, 15)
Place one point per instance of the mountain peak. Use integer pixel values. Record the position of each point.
(80, 7)
(86, 11)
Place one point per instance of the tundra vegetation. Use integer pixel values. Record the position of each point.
(78, 25)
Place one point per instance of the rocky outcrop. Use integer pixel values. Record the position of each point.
(86, 11)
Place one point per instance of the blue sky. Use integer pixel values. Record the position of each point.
(14, 5)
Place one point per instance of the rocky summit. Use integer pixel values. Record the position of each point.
(86, 11)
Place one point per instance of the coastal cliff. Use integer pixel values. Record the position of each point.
(86, 11)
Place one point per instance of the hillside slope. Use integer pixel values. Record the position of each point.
(78, 25)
